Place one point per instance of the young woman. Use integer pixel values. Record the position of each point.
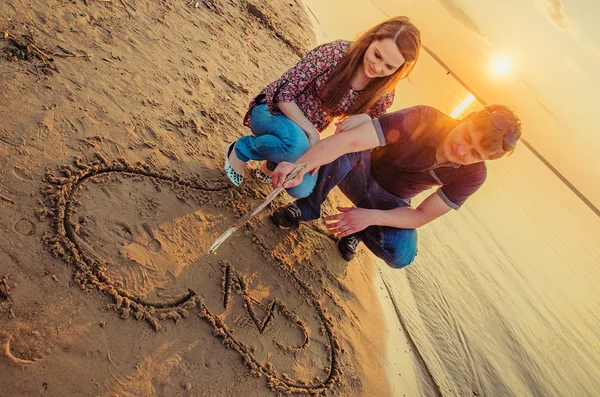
(338, 79)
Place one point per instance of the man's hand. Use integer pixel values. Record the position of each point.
(282, 171)
(348, 221)
(351, 122)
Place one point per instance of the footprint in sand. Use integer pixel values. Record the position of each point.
(154, 244)
(21, 174)
(24, 346)
(146, 334)
(122, 234)
(25, 227)
(243, 320)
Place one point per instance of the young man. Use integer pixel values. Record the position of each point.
(414, 149)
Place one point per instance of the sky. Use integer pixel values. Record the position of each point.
(551, 46)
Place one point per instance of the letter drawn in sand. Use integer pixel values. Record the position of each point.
(232, 280)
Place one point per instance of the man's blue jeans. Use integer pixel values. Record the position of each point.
(276, 138)
(352, 172)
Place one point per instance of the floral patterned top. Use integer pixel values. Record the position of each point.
(303, 82)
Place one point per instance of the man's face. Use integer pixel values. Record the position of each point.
(463, 145)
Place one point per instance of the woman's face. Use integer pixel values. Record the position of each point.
(382, 58)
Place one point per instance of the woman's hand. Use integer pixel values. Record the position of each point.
(349, 221)
(352, 121)
(282, 171)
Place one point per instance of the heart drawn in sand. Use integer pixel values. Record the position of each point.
(128, 262)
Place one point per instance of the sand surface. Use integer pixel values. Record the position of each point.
(114, 116)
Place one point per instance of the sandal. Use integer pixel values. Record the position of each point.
(233, 176)
(262, 177)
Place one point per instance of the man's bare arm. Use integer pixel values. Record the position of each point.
(357, 139)
(352, 220)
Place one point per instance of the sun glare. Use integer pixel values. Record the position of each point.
(461, 108)
(501, 66)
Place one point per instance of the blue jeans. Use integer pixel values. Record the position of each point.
(276, 138)
(352, 172)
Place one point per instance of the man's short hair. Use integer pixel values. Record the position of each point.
(500, 128)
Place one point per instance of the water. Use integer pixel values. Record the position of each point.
(502, 299)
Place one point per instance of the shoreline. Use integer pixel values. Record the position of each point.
(430, 383)
(403, 368)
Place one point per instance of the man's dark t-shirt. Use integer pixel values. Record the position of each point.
(405, 164)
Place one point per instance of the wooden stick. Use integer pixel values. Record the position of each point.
(255, 211)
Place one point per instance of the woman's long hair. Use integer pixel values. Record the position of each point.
(408, 40)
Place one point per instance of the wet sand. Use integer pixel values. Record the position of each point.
(114, 119)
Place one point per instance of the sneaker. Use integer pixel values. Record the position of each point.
(262, 177)
(347, 247)
(233, 176)
(287, 216)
